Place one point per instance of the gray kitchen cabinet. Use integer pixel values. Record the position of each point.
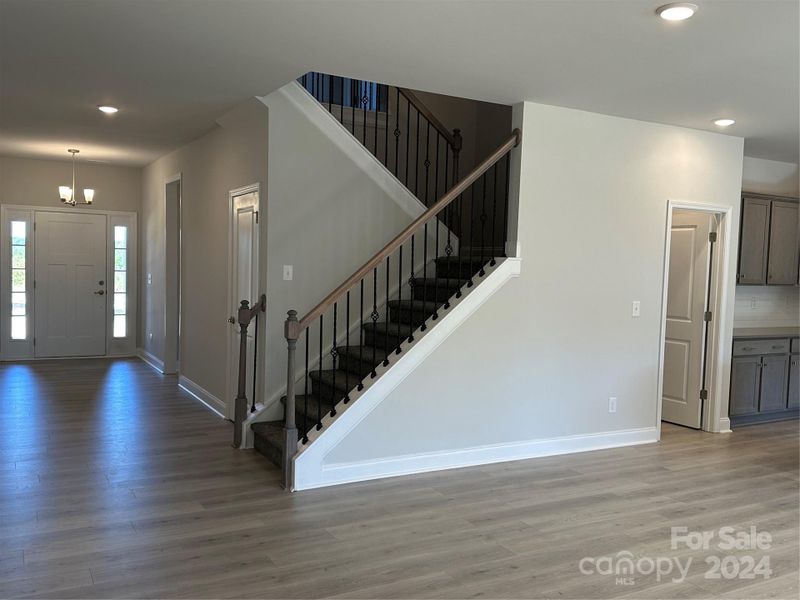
(794, 382)
(745, 385)
(753, 241)
(774, 382)
(764, 379)
(769, 241)
(784, 250)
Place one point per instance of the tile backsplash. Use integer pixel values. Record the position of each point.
(766, 306)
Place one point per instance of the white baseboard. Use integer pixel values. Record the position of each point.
(150, 359)
(203, 395)
(725, 425)
(335, 474)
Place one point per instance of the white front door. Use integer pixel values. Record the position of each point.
(685, 325)
(244, 286)
(70, 284)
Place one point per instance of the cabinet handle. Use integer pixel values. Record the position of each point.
(747, 348)
(778, 347)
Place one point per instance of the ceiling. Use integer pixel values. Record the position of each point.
(174, 66)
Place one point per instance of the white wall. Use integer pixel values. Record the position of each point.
(331, 207)
(232, 155)
(540, 358)
(768, 305)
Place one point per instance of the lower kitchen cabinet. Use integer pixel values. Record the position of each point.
(794, 382)
(765, 381)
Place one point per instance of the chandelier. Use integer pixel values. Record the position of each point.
(67, 194)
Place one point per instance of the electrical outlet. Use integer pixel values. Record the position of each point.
(149, 279)
(753, 302)
(150, 336)
(636, 309)
(612, 404)
(288, 272)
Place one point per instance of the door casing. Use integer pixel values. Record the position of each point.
(714, 416)
(233, 348)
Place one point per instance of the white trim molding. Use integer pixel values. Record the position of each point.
(339, 473)
(151, 360)
(714, 418)
(211, 402)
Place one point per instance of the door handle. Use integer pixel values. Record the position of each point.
(100, 293)
(232, 320)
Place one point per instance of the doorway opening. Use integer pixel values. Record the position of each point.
(243, 284)
(172, 276)
(690, 390)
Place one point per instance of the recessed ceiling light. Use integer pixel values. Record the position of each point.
(109, 110)
(724, 122)
(677, 11)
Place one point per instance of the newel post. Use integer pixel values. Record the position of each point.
(291, 332)
(240, 405)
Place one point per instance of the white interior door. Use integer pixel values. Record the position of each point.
(70, 284)
(244, 285)
(686, 305)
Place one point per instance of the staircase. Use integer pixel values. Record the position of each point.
(378, 341)
(354, 334)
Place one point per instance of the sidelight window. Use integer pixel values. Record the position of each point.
(19, 277)
(120, 325)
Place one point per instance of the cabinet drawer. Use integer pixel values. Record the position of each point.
(795, 345)
(754, 347)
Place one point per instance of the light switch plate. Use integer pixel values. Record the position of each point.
(288, 272)
(149, 279)
(612, 405)
(636, 308)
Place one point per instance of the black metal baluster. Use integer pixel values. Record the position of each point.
(374, 316)
(400, 297)
(347, 345)
(361, 340)
(255, 365)
(416, 160)
(483, 223)
(334, 357)
(397, 134)
(386, 132)
(329, 80)
(448, 216)
(305, 397)
(411, 285)
(492, 260)
(341, 99)
(505, 203)
(388, 319)
(408, 138)
(364, 104)
(427, 165)
(377, 112)
(319, 375)
(353, 106)
(436, 224)
(471, 233)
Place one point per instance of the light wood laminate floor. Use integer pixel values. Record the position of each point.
(116, 484)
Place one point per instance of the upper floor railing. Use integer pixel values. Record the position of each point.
(396, 127)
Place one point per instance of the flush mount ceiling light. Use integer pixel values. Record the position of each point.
(67, 194)
(109, 110)
(724, 122)
(677, 11)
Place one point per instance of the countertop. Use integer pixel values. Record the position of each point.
(765, 332)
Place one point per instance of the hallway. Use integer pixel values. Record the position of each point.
(115, 483)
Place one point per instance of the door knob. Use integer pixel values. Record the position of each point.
(232, 320)
(100, 293)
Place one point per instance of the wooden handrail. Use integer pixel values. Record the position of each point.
(455, 144)
(293, 329)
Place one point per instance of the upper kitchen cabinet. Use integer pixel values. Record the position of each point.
(769, 244)
(783, 244)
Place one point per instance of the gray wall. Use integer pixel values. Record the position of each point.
(35, 182)
(541, 357)
(231, 156)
